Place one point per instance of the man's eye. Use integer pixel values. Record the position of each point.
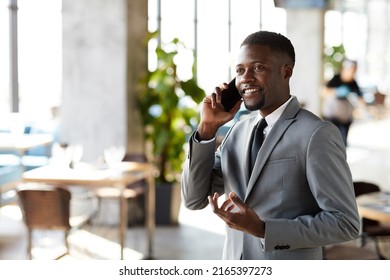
(239, 71)
(258, 68)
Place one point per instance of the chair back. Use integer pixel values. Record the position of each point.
(364, 188)
(135, 157)
(45, 208)
(140, 185)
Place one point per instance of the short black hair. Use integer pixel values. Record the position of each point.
(276, 41)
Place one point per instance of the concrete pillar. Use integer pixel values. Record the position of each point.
(305, 28)
(137, 53)
(102, 59)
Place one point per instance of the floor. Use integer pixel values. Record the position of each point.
(199, 234)
(100, 241)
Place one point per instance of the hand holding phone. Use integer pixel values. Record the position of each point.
(230, 96)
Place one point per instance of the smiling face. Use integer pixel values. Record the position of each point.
(262, 77)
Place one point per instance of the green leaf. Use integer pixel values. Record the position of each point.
(168, 131)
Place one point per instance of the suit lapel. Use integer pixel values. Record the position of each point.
(285, 120)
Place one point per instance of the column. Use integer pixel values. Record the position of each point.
(305, 28)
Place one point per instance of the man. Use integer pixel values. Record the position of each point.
(299, 195)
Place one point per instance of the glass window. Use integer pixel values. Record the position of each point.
(244, 20)
(5, 105)
(273, 19)
(213, 43)
(40, 55)
(152, 15)
(177, 21)
(219, 34)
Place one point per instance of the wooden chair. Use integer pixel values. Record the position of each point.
(371, 229)
(134, 193)
(47, 208)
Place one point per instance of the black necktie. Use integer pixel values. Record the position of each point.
(257, 140)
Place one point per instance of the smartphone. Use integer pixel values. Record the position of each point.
(230, 96)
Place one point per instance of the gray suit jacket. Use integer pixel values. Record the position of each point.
(301, 186)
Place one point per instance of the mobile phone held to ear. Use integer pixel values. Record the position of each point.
(230, 96)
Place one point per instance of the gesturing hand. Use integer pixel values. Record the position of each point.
(237, 215)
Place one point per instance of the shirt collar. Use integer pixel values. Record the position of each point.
(275, 115)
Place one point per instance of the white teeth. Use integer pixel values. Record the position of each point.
(251, 90)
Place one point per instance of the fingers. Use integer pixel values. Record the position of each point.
(237, 201)
(223, 210)
(213, 100)
(226, 207)
(223, 86)
(213, 200)
(216, 95)
(237, 215)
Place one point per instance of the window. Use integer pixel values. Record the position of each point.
(215, 29)
(40, 55)
(5, 95)
(39, 33)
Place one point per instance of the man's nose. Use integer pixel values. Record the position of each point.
(247, 77)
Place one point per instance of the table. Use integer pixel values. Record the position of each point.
(21, 144)
(375, 206)
(95, 178)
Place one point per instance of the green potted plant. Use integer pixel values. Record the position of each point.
(169, 112)
(333, 59)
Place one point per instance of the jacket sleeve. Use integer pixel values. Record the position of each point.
(201, 174)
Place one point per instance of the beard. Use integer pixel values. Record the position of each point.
(256, 105)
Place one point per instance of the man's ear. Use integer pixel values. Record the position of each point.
(287, 71)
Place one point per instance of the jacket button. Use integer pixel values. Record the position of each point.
(282, 247)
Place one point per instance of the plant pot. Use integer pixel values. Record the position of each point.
(168, 201)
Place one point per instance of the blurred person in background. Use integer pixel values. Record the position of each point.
(341, 95)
